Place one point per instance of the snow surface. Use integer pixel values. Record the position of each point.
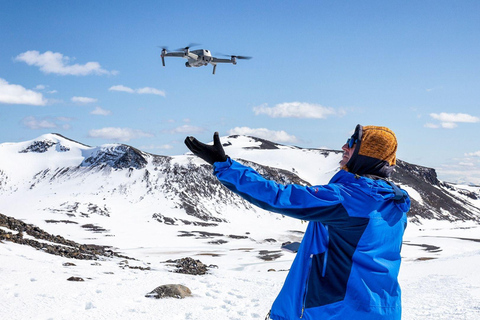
(33, 283)
(304, 162)
(413, 193)
(439, 274)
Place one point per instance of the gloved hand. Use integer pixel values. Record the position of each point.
(209, 153)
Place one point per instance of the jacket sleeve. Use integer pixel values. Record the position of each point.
(319, 203)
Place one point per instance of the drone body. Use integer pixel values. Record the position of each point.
(199, 58)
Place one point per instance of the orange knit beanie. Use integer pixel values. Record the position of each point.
(379, 143)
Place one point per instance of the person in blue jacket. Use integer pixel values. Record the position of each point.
(348, 262)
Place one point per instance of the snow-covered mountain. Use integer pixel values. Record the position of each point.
(58, 178)
(154, 208)
(61, 185)
(104, 195)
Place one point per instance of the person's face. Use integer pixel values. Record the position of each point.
(347, 154)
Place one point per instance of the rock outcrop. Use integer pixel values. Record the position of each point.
(169, 291)
(52, 244)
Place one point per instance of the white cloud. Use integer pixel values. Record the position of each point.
(462, 174)
(101, 112)
(449, 125)
(16, 94)
(454, 117)
(464, 170)
(34, 123)
(188, 129)
(118, 134)
(40, 87)
(121, 88)
(57, 63)
(431, 125)
(277, 136)
(145, 90)
(84, 100)
(473, 154)
(466, 164)
(296, 110)
(148, 90)
(451, 120)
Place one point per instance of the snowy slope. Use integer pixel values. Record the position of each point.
(314, 165)
(67, 180)
(154, 208)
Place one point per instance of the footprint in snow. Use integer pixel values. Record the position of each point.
(208, 294)
(231, 303)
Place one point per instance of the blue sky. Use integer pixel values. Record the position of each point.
(91, 70)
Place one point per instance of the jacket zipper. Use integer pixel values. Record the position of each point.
(325, 258)
(306, 286)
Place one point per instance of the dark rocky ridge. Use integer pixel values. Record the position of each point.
(194, 189)
(435, 194)
(438, 200)
(57, 246)
(44, 146)
(117, 157)
(190, 266)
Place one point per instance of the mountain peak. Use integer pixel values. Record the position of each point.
(45, 143)
(62, 137)
(117, 156)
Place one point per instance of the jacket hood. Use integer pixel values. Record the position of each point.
(379, 189)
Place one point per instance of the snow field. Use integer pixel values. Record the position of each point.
(33, 284)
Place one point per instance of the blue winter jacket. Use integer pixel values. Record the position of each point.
(348, 262)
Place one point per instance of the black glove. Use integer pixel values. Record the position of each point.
(209, 153)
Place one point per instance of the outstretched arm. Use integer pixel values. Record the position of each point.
(319, 203)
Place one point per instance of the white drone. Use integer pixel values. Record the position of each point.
(198, 58)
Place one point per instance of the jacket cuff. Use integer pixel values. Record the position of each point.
(221, 166)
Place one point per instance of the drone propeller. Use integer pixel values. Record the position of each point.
(188, 47)
(164, 52)
(242, 57)
(236, 57)
(164, 49)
